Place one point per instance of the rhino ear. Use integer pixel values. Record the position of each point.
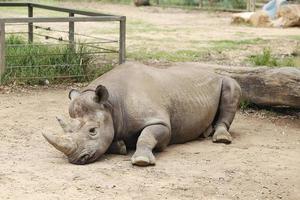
(101, 94)
(73, 94)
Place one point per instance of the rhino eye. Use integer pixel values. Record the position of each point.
(92, 131)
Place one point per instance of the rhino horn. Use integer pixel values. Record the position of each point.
(62, 143)
(63, 124)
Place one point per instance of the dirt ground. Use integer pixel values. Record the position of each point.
(263, 162)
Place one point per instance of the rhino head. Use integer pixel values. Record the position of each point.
(90, 132)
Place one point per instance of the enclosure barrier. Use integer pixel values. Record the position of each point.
(71, 19)
(218, 5)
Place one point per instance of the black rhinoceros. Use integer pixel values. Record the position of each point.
(149, 108)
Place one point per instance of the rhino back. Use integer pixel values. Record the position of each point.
(185, 99)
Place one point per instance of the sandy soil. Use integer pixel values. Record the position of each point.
(263, 161)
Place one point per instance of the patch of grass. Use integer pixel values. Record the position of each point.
(15, 10)
(118, 1)
(189, 55)
(229, 4)
(221, 45)
(245, 104)
(267, 59)
(10, 10)
(179, 2)
(139, 26)
(34, 63)
(234, 4)
(294, 37)
(165, 56)
(264, 59)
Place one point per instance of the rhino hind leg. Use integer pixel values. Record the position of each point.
(208, 132)
(229, 101)
(153, 136)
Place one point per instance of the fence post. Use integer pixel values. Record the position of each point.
(201, 3)
(30, 25)
(2, 49)
(71, 32)
(251, 5)
(122, 40)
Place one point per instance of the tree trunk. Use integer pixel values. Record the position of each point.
(264, 85)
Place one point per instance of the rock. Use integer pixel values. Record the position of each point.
(289, 15)
(241, 18)
(260, 19)
(46, 82)
(141, 2)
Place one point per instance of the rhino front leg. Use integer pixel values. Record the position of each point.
(117, 147)
(229, 102)
(153, 136)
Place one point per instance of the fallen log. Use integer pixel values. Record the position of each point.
(141, 2)
(263, 85)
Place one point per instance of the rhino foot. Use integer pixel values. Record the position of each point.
(143, 159)
(221, 135)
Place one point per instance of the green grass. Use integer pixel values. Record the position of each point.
(134, 26)
(235, 4)
(117, 1)
(245, 104)
(188, 55)
(32, 64)
(221, 45)
(294, 37)
(267, 59)
(178, 2)
(165, 56)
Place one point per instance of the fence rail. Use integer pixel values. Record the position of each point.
(218, 5)
(71, 20)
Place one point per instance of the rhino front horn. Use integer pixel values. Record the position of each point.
(61, 143)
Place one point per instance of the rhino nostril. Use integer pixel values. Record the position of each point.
(83, 158)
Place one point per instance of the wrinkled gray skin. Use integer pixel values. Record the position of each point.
(149, 108)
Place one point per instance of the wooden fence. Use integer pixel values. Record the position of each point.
(71, 19)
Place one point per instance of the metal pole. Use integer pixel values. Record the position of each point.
(71, 32)
(2, 49)
(201, 3)
(122, 41)
(253, 5)
(30, 25)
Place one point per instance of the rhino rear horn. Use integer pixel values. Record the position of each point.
(63, 124)
(62, 143)
(101, 94)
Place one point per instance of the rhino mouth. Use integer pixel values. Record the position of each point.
(84, 158)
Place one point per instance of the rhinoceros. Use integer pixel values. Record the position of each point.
(146, 108)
